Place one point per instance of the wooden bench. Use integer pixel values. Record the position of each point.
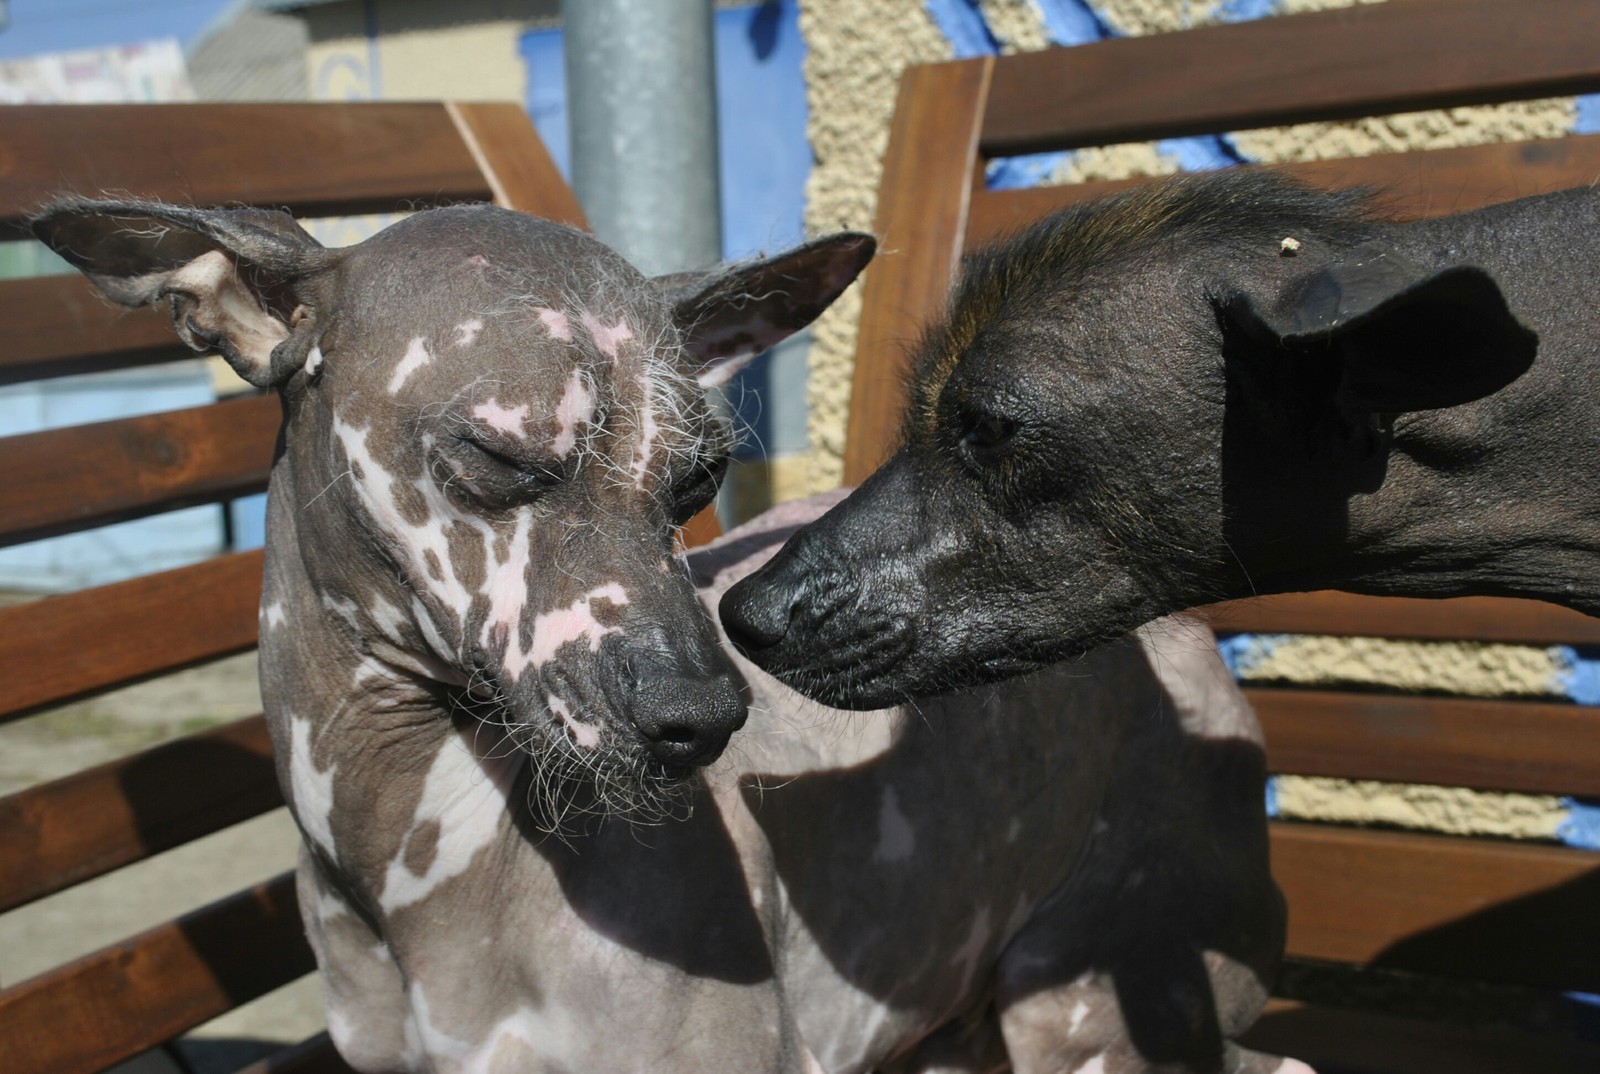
(1449, 907)
(316, 160)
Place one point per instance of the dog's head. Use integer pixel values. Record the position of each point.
(493, 425)
(1137, 406)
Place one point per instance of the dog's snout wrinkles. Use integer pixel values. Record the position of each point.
(688, 720)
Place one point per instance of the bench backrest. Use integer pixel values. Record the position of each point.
(317, 160)
(1520, 914)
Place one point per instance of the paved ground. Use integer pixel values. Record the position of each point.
(80, 920)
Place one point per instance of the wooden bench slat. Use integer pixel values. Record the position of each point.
(1491, 619)
(314, 1055)
(921, 218)
(1343, 64)
(1347, 1040)
(1452, 907)
(91, 475)
(1523, 746)
(59, 325)
(515, 163)
(73, 829)
(81, 643)
(1411, 186)
(131, 996)
(316, 159)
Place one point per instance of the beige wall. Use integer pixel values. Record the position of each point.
(856, 53)
(463, 50)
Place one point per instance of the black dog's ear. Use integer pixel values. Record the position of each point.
(730, 314)
(229, 276)
(1406, 338)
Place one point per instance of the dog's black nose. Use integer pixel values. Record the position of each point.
(755, 613)
(688, 721)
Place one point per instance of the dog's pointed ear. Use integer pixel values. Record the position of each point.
(1406, 337)
(729, 315)
(228, 276)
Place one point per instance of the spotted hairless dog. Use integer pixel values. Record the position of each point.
(500, 706)
(1206, 389)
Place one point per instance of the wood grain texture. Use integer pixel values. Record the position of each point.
(59, 325)
(384, 157)
(1357, 61)
(1493, 619)
(80, 643)
(1453, 907)
(83, 476)
(1523, 746)
(928, 174)
(84, 825)
(131, 996)
(1345, 1040)
(1409, 186)
(320, 159)
(516, 164)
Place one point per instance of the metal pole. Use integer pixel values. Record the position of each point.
(641, 93)
(642, 97)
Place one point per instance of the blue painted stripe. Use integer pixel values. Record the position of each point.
(1244, 10)
(1019, 173)
(1578, 673)
(961, 22)
(1582, 827)
(1072, 22)
(1244, 653)
(1588, 114)
(1201, 152)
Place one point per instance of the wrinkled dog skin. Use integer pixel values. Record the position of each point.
(475, 632)
(1205, 389)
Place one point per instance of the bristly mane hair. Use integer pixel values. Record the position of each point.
(1217, 210)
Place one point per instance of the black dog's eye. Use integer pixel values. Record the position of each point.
(986, 432)
(697, 488)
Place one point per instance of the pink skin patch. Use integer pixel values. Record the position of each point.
(507, 590)
(586, 735)
(609, 340)
(506, 419)
(556, 323)
(575, 409)
(467, 331)
(415, 358)
(649, 429)
(478, 261)
(554, 629)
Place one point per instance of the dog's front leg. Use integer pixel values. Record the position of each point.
(363, 993)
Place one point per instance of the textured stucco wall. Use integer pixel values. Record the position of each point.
(856, 54)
